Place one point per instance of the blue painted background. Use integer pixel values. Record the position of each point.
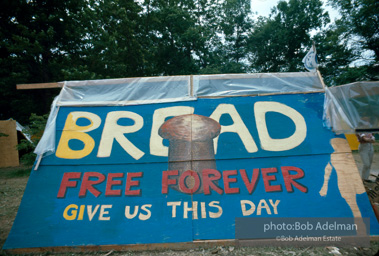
(40, 221)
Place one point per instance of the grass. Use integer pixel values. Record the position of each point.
(15, 172)
(12, 185)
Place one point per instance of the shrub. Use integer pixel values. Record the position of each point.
(36, 128)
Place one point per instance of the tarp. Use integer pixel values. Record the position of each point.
(151, 90)
(352, 107)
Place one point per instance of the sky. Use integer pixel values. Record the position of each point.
(263, 7)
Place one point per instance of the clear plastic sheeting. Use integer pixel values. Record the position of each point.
(24, 131)
(256, 84)
(46, 145)
(352, 107)
(152, 90)
(126, 91)
(135, 91)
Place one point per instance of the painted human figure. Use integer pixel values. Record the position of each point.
(366, 151)
(348, 180)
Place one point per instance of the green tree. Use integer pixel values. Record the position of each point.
(235, 19)
(36, 37)
(333, 54)
(210, 51)
(111, 43)
(358, 31)
(175, 36)
(360, 18)
(278, 42)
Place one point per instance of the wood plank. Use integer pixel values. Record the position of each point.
(321, 79)
(8, 144)
(206, 244)
(39, 86)
(251, 75)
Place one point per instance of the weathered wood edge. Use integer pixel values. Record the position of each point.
(39, 86)
(204, 244)
(131, 247)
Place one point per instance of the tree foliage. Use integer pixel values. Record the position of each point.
(360, 23)
(236, 25)
(51, 41)
(278, 42)
(358, 28)
(36, 38)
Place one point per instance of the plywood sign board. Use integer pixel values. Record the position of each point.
(184, 171)
(8, 144)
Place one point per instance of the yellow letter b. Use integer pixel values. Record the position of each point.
(72, 131)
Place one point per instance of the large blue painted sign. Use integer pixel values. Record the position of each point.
(179, 172)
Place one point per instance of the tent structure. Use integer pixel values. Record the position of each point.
(191, 161)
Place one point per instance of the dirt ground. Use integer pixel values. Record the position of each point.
(13, 182)
(11, 191)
